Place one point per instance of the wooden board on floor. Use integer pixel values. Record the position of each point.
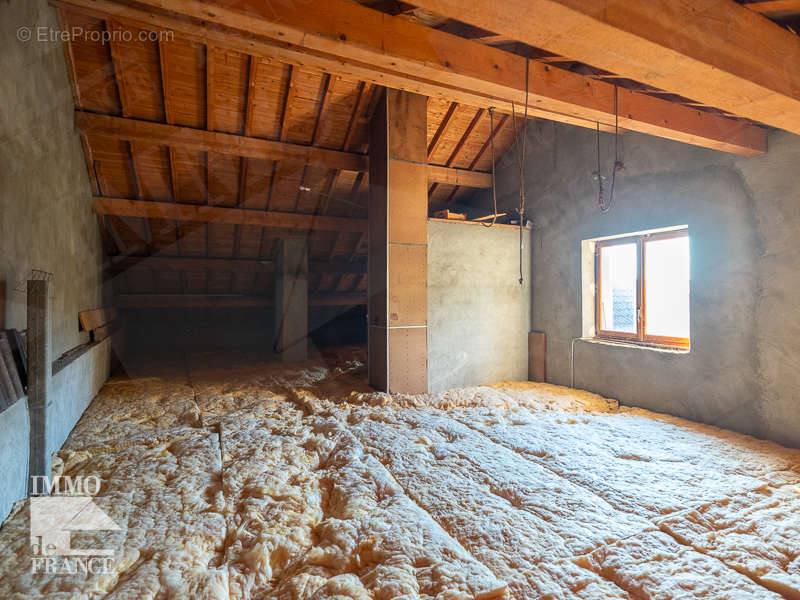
(537, 356)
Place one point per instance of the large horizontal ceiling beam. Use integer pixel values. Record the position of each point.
(228, 300)
(353, 41)
(202, 213)
(718, 53)
(225, 265)
(775, 7)
(188, 138)
(134, 130)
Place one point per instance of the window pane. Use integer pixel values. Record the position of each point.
(667, 287)
(618, 287)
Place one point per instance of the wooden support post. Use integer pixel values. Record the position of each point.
(398, 244)
(39, 373)
(291, 300)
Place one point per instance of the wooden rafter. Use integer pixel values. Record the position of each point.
(360, 43)
(440, 131)
(464, 137)
(169, 118)
(502, 121)
(116, 61)
(364, 95)
(324, 105)
(288, 100)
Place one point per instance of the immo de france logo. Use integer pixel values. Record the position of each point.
(59, 508)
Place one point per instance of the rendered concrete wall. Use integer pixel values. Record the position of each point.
(73, 389)
(743, 371)
(478, 313)
(46, 223)
(14, 448)
(46, 219)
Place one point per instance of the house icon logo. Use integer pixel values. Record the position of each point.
(54, 518)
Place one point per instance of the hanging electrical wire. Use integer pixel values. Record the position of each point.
(494, 188)
(618, 164)
(521, 161)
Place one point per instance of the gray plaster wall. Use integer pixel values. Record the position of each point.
(46, 219)
(14, 449)
(46, 223)
(73, 389)
(478, 313)
(743, 370)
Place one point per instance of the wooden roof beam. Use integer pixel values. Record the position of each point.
(775, 7)
(223, 143)
(135, 130)
(201, 213)
(224, 265)
(228, 300)
(720, 53)
(356, 42)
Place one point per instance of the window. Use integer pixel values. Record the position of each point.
(642, 288)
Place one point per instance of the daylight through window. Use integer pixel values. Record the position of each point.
(643, 288)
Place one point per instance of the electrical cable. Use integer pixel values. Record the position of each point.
(494, 189)
(618, 164)
(521, 161)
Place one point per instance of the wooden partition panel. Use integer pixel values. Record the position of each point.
(398, 244)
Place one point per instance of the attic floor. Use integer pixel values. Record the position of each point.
(248, 479)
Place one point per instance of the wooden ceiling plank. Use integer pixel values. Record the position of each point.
(76, 96)
(439, 135)
(169, 118)
(364, 96)
(327, 94)
(287, 103)
(464, 137)
(359, 43)
(720, 53)
(249, 111)
(252, 78)
(115, 30)
(211, 55)
(501, 123)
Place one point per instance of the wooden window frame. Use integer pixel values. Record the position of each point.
(640, 337)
